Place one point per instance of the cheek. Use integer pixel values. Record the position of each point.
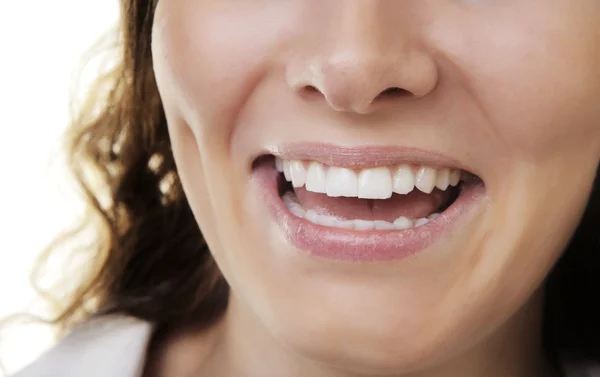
(204, 70)
(535, 78)
(213, 67)
(207, 70)
(534, 85)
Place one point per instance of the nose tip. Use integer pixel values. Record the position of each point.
(359, 84)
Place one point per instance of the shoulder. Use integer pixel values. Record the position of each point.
(105, 346)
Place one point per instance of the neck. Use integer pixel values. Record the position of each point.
(243, 346)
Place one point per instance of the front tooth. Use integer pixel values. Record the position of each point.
(291, 202)
(383, 225)
(312, 216)
(364, 225)
(316, 178)
(375, 183)
(443, 179)
(403, 223)
(421, 221)
(290, 198)
(279, 164)
(298, 173)
(425, 179)
(327, 221)
(404, 180)
(287, 173)
(345, 224)
(454, 177)
(341, 182)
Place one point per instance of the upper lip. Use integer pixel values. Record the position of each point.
(362, 157)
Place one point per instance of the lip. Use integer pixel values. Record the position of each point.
(364, 156)
(358, 246)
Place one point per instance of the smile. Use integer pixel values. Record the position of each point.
(366, 210)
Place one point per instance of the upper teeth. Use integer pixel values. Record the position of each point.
(372, 183)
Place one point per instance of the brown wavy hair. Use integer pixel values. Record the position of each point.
(149, 259)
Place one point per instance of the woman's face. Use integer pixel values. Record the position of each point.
(367, 106)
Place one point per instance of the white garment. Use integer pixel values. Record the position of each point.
(115, 346)
(111, 346)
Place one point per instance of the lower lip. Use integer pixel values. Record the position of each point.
(360, 246)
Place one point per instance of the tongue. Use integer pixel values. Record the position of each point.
(414, 205)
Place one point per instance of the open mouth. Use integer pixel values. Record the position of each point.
(395, 197)
(366, 213)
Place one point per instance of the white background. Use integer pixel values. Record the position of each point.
(41, 44)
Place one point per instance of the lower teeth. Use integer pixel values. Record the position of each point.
(402, 223)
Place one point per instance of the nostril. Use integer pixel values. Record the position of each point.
(394, 92)
(311, 89)
(345, 99)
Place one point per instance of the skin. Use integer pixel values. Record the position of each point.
(507, 87)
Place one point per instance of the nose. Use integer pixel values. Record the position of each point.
(363, 58)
